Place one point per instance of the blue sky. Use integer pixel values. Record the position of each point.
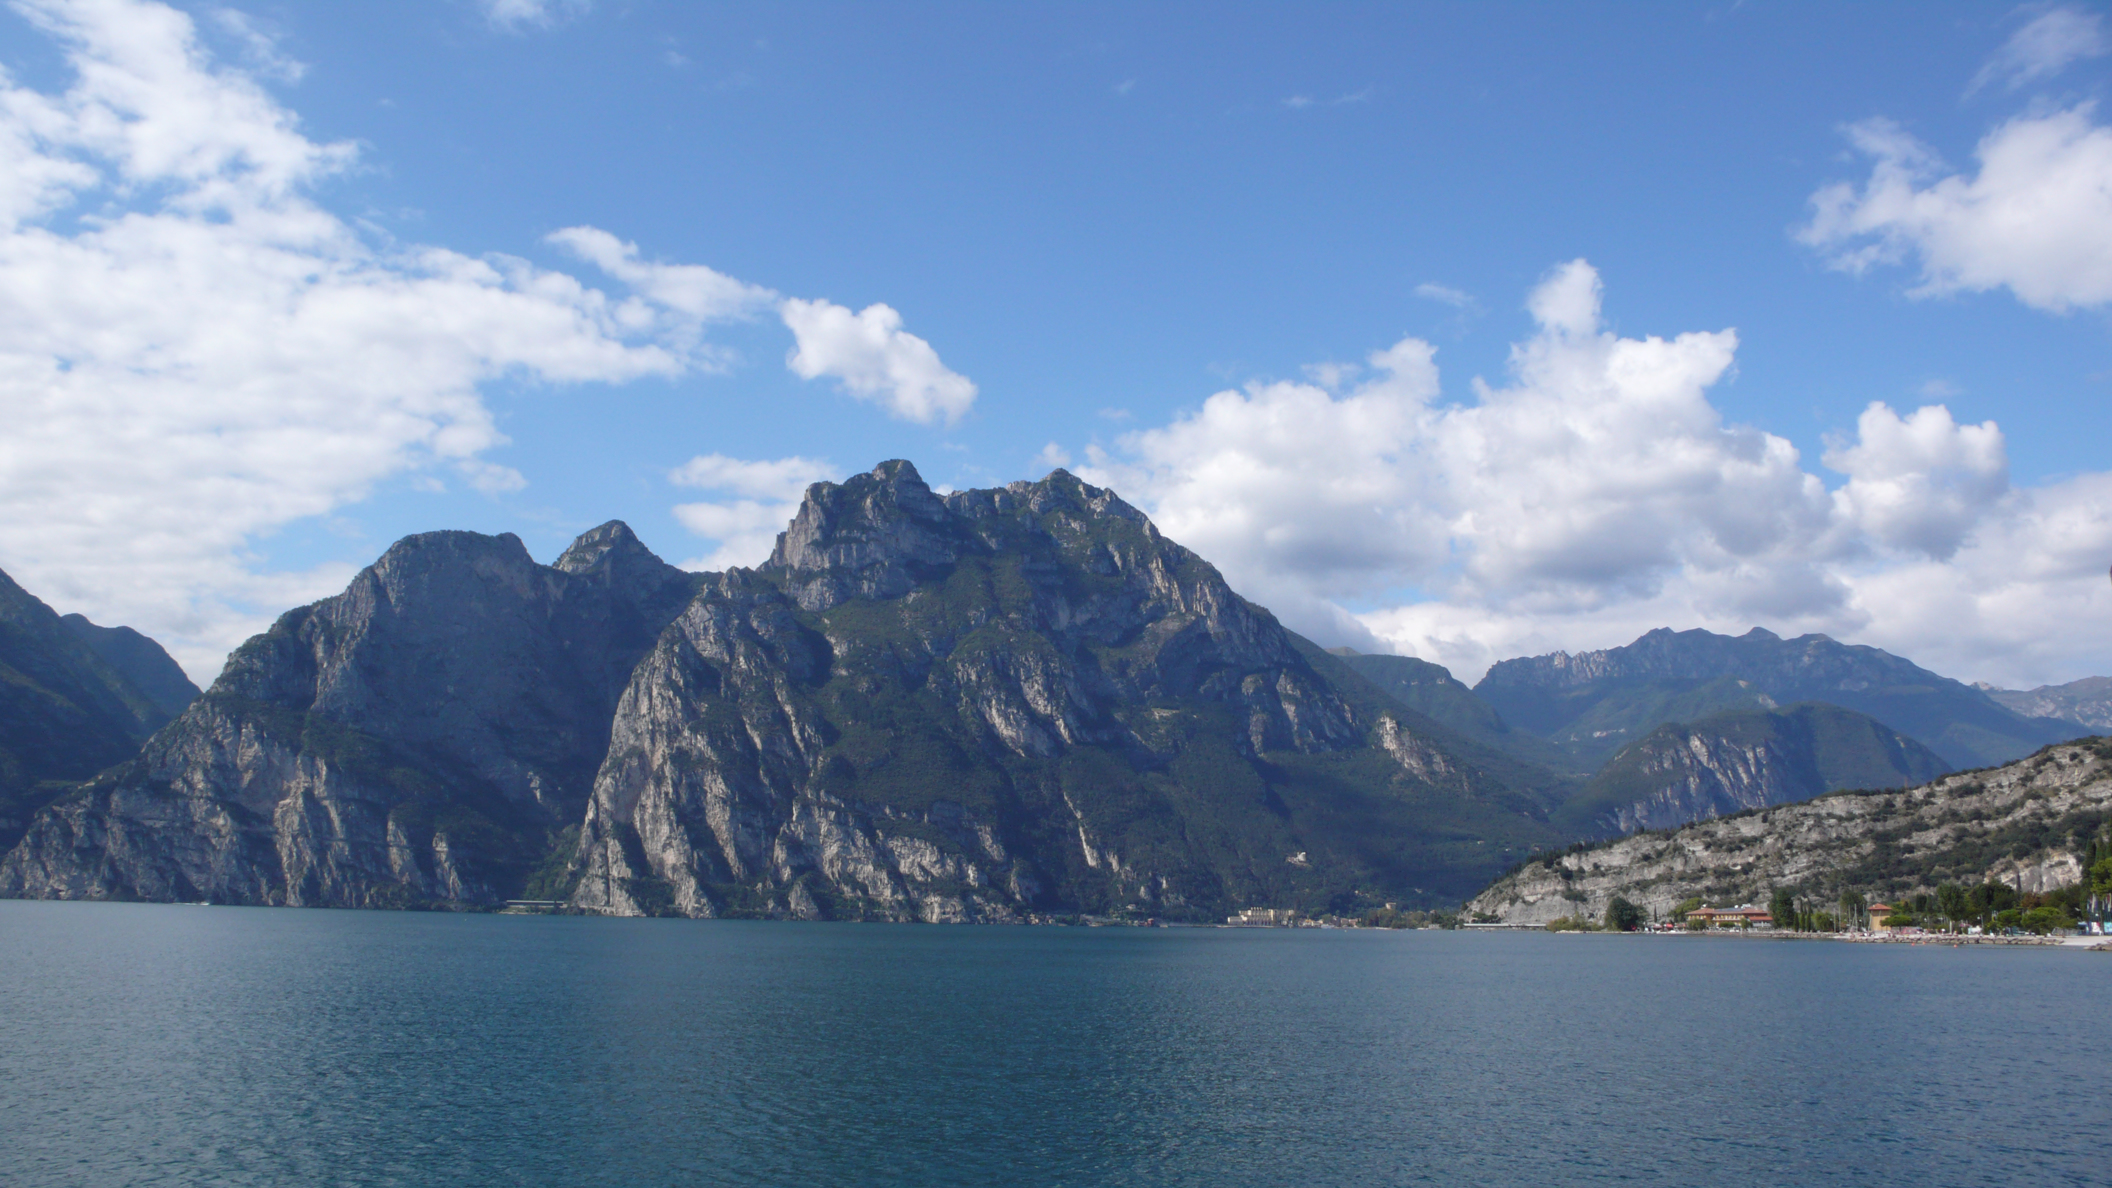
(1099, 217)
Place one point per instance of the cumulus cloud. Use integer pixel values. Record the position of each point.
(762, 497)
(2036, 218)
(2046, 45)
(874, 359)
(194, 352)
(1598, 493)
(1920, 482)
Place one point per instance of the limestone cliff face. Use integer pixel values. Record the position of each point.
(2025, 824)
(927, 708)
(1701, 776)
(1747, 759)
(2087, 702)
(414, 739)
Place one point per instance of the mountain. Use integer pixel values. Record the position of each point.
(424, 736)
(2087, 702)
(1432, 690)
(67, 708)
(1743, 759)
(142, 662)
(987, 705)
(1594, 703)
(2028, 824)
(1004, 701)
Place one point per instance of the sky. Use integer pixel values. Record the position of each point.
(1463, 331)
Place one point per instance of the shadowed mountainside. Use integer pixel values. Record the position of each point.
(74, 699)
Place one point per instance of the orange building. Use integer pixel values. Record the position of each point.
(1743, 916)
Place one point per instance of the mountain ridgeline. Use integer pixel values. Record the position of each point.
(984, 706)
(1593, 703)
(990, 705)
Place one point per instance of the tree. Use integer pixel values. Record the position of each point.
(1853, 907)
(1782, 905)
(1622, 916)
(2043, 920)
(1951, 901)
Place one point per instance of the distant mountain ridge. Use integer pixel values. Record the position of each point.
(1743, 759)
(2087, 702)
(1609, 698)
(74, 698)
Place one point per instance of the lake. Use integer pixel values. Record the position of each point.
(147, 1044)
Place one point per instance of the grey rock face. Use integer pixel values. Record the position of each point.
(416, 738)
(2087, 702)
(1744, 760)
(1962, 828)
(876, 723)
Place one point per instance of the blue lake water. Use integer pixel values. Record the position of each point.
(146, 1044)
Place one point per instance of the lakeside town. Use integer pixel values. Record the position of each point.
(1866, 921)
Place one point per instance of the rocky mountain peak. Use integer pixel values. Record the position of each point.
(872, 535)
(612, 542)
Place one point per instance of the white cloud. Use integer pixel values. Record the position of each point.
(1920, 482)
(1456, 298)
(260, 46)
(766, 494)
(870, 354)
(516, 16)
(2036, 219)
(691, 289)
(1599, 493)
(2048, 44)
(194, 352)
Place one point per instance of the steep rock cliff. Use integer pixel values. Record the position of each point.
(419, 738)
(1746, 759)
(1001, 702)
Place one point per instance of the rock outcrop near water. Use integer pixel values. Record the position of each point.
(74, 699)
(2027, 824)
(1594, 703)
(1744, 759)
(981, 706)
